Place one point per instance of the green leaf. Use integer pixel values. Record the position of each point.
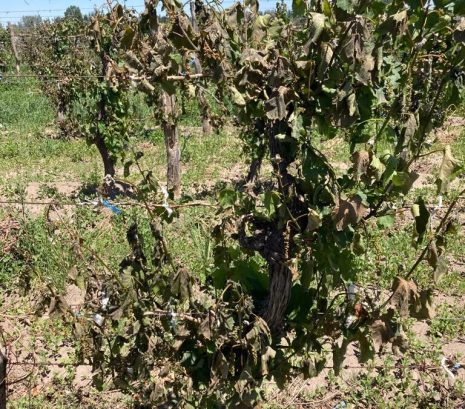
(271, 201)
(307, 270)
(400, 179)
(299, 7)
(127, 38)
(386, 221)
(326, 7)
(346, 5)
(227, 197)
(357, 246)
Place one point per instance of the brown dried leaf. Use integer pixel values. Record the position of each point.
(405, 293)
(361, 160)
(349, 212)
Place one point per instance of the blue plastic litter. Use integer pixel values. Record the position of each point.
(113, 208)
(456, 366)
(341, 405)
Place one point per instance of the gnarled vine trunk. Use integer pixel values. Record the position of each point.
(173, 153)
(280, 281)
(280, 276)
(107, 159)
(108, 162)
(270, 239)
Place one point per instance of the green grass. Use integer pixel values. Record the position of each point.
(23, 107)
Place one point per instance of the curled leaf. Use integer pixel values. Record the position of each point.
(449, 170)
(361, 160)
(349, 212)
(237, 97)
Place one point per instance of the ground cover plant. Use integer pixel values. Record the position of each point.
(318, 245)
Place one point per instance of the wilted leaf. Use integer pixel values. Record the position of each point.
(459, 32)
(441, 268)
(422, 217)
(219, 368)
(181, 284)
(450, 168)
(352, 104)
(423, 308)
(365, 342)
(269, 353)
(433, 254)
(381, 333)
(339, 353)
(127, 38)
(349, 212)
(411, 127)
(404, 293)
(275, 107)
(361, 160)
(314, 220)
(237, 97)
(317, 25)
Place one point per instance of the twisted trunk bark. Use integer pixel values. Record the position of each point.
(271, 240)
(108, 161)
(280, 275)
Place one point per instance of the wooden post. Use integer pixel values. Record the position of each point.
(13, 46)
(3, 389)
(173, 153)
(206, 124)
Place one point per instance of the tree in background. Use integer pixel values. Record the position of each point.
(73, 12)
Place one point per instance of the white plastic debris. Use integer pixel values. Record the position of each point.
(104, 301)
(352, 291)
(98, 319)
(169, 210)
(450, 375)
(173, 321)
(350, 320)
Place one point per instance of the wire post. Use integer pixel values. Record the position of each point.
(3, 364)
(15, 51)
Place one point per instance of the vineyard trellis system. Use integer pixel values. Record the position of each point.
(380, 74)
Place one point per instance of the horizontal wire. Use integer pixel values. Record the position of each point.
(409, 366)
(53, 10)
(52, 36)
(123, 204)
(72, 76)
